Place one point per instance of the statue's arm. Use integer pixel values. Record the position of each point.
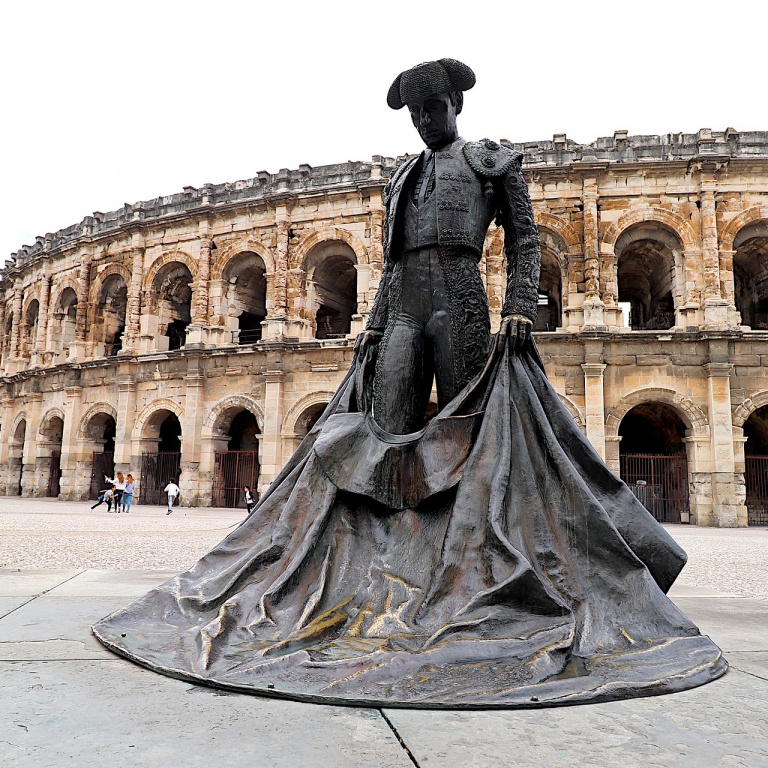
(521, 245)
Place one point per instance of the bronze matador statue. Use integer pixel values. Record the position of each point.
(485, 558)
(431, 308)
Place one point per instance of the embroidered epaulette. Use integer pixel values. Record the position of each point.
(489, 158)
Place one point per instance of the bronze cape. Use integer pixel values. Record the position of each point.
(490, 560)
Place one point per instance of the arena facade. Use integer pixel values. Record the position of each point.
(200, 335)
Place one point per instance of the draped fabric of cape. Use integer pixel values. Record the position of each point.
(490, 560)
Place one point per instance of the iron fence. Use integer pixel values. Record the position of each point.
(756, 478)
(54, 474)
(103, 463)
(157, 470)
(659, 482)
(232, 471)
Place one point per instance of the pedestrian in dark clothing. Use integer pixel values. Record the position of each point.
(250, 502)
(105, 497)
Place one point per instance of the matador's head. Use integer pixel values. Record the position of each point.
(434, 94)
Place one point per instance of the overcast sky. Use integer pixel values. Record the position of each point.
(111, 102)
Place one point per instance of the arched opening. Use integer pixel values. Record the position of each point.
(64, 326)
(653, 461)
(29, 328)
(110, 314)
(51, 435)
(174, 302)
(238, 466)
(549, 316)
(161, 456)
(16, 459)
(646, 264)
(309, 418)
(756, 466)
(100, 433)
(332, 288)
(750, 275)
(246, 296)
(8, 337)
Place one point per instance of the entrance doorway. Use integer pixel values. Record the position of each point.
(160, 467)
(653, 462)
(238, 466)
(102, 429)
(756, 466)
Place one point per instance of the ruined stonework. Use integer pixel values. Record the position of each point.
(201, 333)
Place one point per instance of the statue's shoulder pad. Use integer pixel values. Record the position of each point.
(489, 158)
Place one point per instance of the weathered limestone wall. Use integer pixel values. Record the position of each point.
(671, 225)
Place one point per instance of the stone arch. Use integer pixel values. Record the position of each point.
(299, 407)
(58, 291)
(748, 406)
(22, 416)
(95, 410)
(559, 227)
(574, 410)
(648, 215)
(163, 261)
(327, 234)
(232, 250)
(29, 296)
(113, 268)
(694, 418)
(217, 419)
(51, 413)
(752, 215)
(152, 409)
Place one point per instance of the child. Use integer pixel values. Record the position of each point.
(173, 491)
(250, 502)
(106, 496)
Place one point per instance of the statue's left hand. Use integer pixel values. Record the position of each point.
(518, 329)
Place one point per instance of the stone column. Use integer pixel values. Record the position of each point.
(271, 445)
(594, 405)
(200, 316)
(593, 304)
(4, 340)
(715, 307)
(729, 510)
(191, 434)
(126, 418)
(727, 287)
(72, 487)
(38, 353)
(133, 314)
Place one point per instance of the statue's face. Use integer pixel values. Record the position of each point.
(435, 119)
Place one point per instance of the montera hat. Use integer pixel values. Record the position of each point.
(423, 80)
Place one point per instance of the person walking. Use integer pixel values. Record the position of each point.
(173, 491)
(119, 484)
(106, 497)
(130, 486)
(250, 502)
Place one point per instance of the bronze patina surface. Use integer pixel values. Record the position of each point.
(485, 557)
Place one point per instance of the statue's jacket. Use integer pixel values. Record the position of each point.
(475, 182)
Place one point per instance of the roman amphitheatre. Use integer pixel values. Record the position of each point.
(200, 335)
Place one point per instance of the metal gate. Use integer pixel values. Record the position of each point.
(233, 470)
(157, 470)
(659, 482)
(54, 475)
(756, 478)
(103, 464)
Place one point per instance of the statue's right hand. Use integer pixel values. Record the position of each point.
(367, 339)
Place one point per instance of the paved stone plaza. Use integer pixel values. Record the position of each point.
(69, 702)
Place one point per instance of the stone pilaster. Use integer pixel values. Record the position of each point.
(77, 347)
(18, 300)
(200, 316)
(126, 418)
(191, 433)
(6, 425)
(271, 444)
(69, 447)
(594, 402)
(729, 510)
(29, 455)
(133, 313)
